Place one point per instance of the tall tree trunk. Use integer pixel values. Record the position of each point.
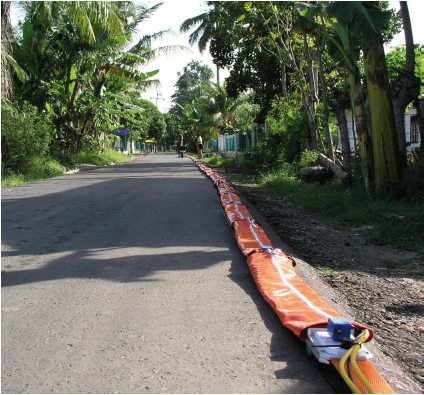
(283, 77)
(340, 102)
(364, 144)
(328, 136)
(387, 169)
(404, 90)
(6, 35)
(419, 105)
(313, 98)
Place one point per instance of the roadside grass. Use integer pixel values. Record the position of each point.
(38, 169)
(413, 267)
(386, 221)
(328, 271)
(217, 161)
(110, 157)
(43, 168)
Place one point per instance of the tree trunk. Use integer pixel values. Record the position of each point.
(283, 77)
(313, 98)
(404, 90)
(419, 105)
(387, 169)
(338, 172)
(340, 102)
(328, 136)
(364, 144)
(6, 35)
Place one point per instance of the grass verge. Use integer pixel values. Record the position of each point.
(44, 168)
(384, 221)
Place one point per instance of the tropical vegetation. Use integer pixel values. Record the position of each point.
(305, 63)
(75, 69)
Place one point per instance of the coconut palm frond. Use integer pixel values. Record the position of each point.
(86, 14)
(147, 40)
(104, 12)
(192, 22)
(167, 50)
(194, 37)
(149, 84)
(144, 12)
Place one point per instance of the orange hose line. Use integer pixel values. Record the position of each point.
(290, 306)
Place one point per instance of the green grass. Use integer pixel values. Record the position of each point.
(110, 157)
(217, 161)
(414, 267)
(328, 271)
(398, 223)
(38, 169)
(43, 168)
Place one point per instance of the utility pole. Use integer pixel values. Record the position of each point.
(157, 98)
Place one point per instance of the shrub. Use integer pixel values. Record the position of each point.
(25, 134)
(288, 127)
(308, 159)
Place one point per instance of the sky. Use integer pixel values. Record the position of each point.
(170, 16)
(173, 13)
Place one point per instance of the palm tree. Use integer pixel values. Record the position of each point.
(76, 58)
(6, 33)
(219, 110)
(206, 24)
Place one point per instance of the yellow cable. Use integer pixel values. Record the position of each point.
(358, 372)
(344, 375)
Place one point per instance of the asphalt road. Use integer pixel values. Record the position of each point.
(127, 279)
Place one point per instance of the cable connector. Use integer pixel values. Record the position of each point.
(347, 343)
(320, 343)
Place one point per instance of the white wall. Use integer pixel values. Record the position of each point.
(350, 126)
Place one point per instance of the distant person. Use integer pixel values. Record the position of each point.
(199, 145)
(179, 142)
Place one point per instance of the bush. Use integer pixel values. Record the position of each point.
(37, 169)
(25, 134)
(288, 127)
(308, 159)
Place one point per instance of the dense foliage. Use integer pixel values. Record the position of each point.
(278, 51)
(76, 73)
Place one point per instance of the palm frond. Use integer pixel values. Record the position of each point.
(167, 50)
(86, 13)
(194, 37)
(147, 40)
(192, 22)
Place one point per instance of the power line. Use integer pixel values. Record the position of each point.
(157, 98)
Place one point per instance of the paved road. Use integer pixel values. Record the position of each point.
(127, 279)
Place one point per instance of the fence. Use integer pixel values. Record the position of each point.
(240, 141)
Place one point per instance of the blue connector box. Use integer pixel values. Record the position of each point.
(339, 328)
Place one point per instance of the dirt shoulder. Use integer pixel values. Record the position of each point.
(380, 285)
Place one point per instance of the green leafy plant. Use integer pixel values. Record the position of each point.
(308, 159)
(25, 134)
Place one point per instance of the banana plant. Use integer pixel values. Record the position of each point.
(365, 22)
(353, 24)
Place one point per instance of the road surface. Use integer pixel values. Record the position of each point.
(127, 279)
